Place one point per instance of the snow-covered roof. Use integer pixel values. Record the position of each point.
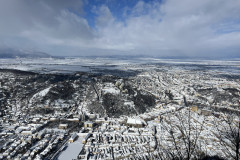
(135, 121)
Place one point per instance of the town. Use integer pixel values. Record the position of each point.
(157, 112)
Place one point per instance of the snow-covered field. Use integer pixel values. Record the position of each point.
(71, 65)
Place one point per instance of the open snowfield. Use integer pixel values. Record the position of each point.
(84, 64)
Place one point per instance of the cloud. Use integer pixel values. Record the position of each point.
(105, 16)
(175, 27)
(170, 27)
(27, 14)
(42, 23)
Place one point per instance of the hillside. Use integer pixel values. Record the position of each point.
(12, 53)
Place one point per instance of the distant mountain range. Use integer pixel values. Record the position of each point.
(13, 53)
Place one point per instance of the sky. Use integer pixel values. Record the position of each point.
(193, 28)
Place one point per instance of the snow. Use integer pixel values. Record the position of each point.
(110, 88)
(40, 94)
(44, 92)
(72, 150)
(130, 103)
(70, 65)
(135, 121)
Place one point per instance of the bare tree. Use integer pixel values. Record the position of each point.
(228, 133)
(183, 135)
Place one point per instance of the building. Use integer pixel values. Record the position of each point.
(84, 141)
(100, 120)
(73, 138)
(206, 112)
(26, 132)
(194, 108)
(63, 126)
(73, 119)
(138, 123)
(88, 124)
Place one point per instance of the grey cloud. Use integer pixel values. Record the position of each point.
(104, 17)
(172, 27)
(42, 21)
(177, 27)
